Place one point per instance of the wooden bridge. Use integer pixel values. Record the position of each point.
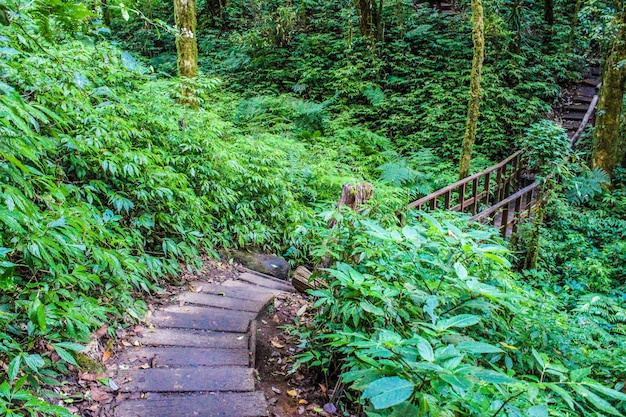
(500, 195)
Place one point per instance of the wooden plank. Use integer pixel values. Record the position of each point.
(186, 380)
(591, 81)
(191, 338)
(222, 404)
(573, 116)
(582, 99)
(203, 318)
(221, 301)
(586, 90)
(160, 357)
(576, 107)
(266, 282)
(235, 289)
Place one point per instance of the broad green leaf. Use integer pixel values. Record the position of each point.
(457, 381)
(616, 395)
(600, 403)
(564, 394)
(388, 391)
(493, 377)
(461, 271)
(34, 362)
(462, 320)
(65, 355)
(538, 411)
(76, 347)
(14, 367)
(371, 308)
(425, 350)
(578, 375)
(478, 347)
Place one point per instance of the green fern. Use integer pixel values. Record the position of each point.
(586, 186)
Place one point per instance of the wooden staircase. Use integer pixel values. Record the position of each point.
(499, 196)
(578, 110)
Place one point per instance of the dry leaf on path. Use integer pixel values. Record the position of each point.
(101, 331)
(277, 345)
(99, 395)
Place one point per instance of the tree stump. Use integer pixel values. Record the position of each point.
(353, 196)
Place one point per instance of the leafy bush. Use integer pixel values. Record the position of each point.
(427, 320)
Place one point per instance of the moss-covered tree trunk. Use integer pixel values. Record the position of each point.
(473, 110)
(608, 150)
(370, 18)
(186, 44)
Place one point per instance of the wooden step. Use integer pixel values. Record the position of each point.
(573, 116)
(267, 282)
(203, 318)
(591, 81)
(576, 107)
(191, 338)
(222, 404)
(236, 379)
(222, 301)
(171, 357)
(582, 99)
(586, 90)
(235, 289)
(570, 124)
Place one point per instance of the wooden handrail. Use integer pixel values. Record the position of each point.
(494, 209)
(519, 202)
(501, 186)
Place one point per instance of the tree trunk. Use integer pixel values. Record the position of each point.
(370, 18)
(106, 13)
(474, 101)
(548, 12)
(608, 150)
(186, 44)
(572, 33)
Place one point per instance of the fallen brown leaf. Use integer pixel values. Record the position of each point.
(99, 395)
(106, 355)
(101, 331)
(277, 345)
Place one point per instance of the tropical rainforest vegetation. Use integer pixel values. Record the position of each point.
(137, 135)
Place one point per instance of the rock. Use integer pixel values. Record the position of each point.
(263, 263)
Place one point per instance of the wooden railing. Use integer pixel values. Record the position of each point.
(479, 190)
(508, 213)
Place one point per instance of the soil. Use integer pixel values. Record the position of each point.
(289, 392)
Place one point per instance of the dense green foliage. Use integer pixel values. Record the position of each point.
(429, 321)
(109, 186)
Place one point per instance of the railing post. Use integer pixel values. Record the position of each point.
(433, 204)
(461, 196)
(475, 195)
(487, 181)
(516, 211)
(499, 185)
(505, 220)
(447, 200)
